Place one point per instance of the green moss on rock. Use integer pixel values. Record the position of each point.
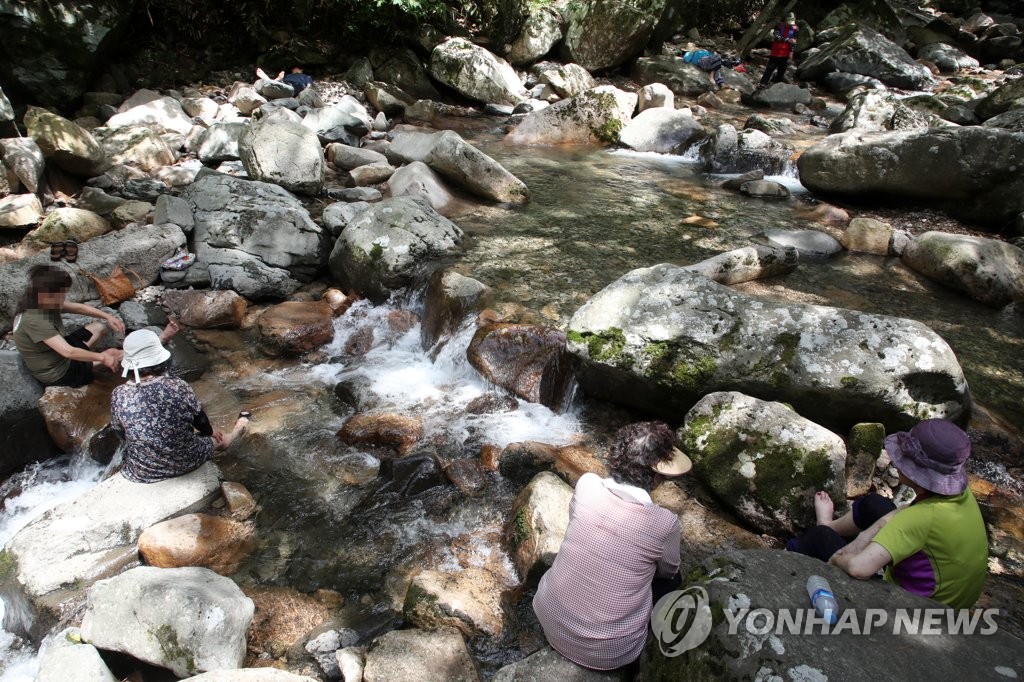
(172, 650)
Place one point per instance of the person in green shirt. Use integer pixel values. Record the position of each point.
(937, 546)
(52, 356)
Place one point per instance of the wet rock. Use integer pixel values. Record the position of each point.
(869, 53)
(467, 475)
(1003, 511)
(527, 360)
(520, 462)
(878, 110)
(212, 542)
(705, 530)
(468, 601)
(458, 162)
(450, 299)
(491, 403)
(187, 619)
(351, 662)
(284, 154)
(94, 536)
(775, 581)
(383, 429)
(969, 171)
(543, 29)
(207, 309)
(783, 96)
(655, 95)
(296, 327)
(241, 504)
(490, 456)
(808, 243)
(987, 270)
(662, 130)
(401, 321)
(737, 182)
(661, 338)
(360, 342)
(425, 656)
(357, 468)
(536, 528)
(66, 144)
(72, 415)
(20, 211)
(763, 460)
(548, 664)
(324, 646)
(1010, 120)
(475, 73)
(592, 117)
(572, 461)
(867, 235)
(765, 189)
(604, 34)
(863, 446)
(729, 151)
(412, 474)
(748, 263)
(104, 444)
(63, 224)
(381, 248)
(25, 159)
(64, 656)
(568, 80)
(371, 174)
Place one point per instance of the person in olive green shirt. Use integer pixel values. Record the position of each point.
(937, 546)
(53, 357)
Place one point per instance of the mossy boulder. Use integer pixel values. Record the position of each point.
(987, 270)
(595, 116)
(606, 33)
(867, 52)
(469, 600)
(661, 338)
(65, 143)
(475, 72)
(763, 460)
(67, 223)
(536, 528)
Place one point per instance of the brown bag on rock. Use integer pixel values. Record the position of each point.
(115, 288)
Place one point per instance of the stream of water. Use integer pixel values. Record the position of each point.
(593, 216)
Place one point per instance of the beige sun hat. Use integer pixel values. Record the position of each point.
(142, 349)
(676, 465)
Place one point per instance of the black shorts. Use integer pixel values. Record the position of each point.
(80, 371)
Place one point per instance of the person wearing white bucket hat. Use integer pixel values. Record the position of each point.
(166, 430)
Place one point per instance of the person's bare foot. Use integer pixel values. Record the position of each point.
(824, 509)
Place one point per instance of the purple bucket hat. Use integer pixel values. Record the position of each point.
(932, 455)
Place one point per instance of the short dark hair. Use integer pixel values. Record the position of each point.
(43, 279)
(155, 369)
(638, 447)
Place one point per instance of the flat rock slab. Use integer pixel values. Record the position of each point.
(419, 655)
(95, 535)
(739, 582)
(547, 664)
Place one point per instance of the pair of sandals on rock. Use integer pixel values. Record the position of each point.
(68, 251)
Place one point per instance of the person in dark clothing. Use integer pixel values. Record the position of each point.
(783, 39)
(295, 78)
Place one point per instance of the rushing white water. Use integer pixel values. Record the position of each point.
(42, 486)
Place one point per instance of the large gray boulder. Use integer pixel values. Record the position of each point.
(763, 460)
(284, 153)
(684, 80)
(987, 270)
(415, 654)
(1004, 98)
(161, 115)
(95, 536)
(542, 30)
(256, 237)
(660, 338)
(468, 600)
(135, 146)
(948, 58)
(971, 171)
(220, 142)
(475, 73)
(548, 664)
(730, 151)
(782, 96)
(449, 300)
(868, 53)
(607, 33)
(771, 583)
(592, 117)
(188, 620)
(20, 211)
(662, 130)
(64, 142)
(877, 110)
(52, 51)
(347, 114)
(458, 162)
(567, 80)
(24, 157)
(537, 525)
(402, 68)
(142, 248)
(23, 435)
(418, 179)
(384, 246)
(808, 243)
